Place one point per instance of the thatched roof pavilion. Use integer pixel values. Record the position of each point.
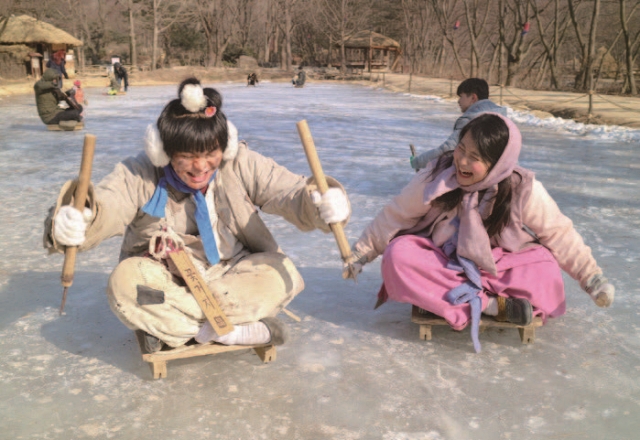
(370, 39)
(25, 30)
(41, 38)
(368, 50)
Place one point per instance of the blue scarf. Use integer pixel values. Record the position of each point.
(156, 208)
(467, 291)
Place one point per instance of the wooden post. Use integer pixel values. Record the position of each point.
(79, 202)
(321, 181)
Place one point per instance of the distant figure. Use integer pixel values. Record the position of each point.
(48, 95)
(473, 99)
(58, 62)
(300, 79)
(77, 93)
(121, 76)
(252, 79)
(114, 86)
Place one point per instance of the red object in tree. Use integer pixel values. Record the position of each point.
(456, 25)
(525, 28)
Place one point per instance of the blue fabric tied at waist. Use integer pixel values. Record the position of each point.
(156, 208)
(466, 292)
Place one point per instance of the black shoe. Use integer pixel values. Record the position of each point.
(279, 331)
(515, 310)
(149, 343)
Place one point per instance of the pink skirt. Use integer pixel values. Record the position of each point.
(414, 271)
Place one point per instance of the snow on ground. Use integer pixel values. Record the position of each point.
(349, 372)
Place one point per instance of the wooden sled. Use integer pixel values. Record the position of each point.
(65, 127)
(426, 320)
(298, 87)
(158, 360)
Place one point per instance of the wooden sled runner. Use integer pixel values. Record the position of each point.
(426, 320)
(158, 360)
(66, 126)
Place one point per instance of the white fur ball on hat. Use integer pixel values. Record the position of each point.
(192, 98)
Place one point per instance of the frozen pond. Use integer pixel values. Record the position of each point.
(349, 372)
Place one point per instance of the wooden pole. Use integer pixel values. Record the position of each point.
(80, 199)
(321, 181)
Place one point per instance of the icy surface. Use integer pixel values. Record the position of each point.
(349, 372)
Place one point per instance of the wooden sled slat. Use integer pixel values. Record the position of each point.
(158, 360)
(56, 127)
(427, 320)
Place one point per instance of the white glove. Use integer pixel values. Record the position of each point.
(70, 225)
(333, 205)
(601, 291)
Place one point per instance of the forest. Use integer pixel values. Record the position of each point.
(540, 44)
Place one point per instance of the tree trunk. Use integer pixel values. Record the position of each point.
(631, 82)
(133, 52)
(287, 28)
(154, 56)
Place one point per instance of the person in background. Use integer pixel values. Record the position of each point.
(300, 79)
(475, 233)
(252, 79)
(473, 99)
(114, 86)
(121, 76)
(49, 95)
(197, 187)
(58, 63)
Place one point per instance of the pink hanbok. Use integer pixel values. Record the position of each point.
(414, 271)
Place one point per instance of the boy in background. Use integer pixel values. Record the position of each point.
(473, 99)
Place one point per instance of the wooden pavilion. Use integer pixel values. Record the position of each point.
(27, 44)
(368, 51)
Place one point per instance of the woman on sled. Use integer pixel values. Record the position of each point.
(475, 233)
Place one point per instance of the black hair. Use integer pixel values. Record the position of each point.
(474, 85)
(491, 136)
(183, 131)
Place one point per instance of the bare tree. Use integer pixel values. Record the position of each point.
(165, 13)
(476, 19)
(586, 43)
(217, 19)
(630, 82)
(556, 27)
(419, 36)
(446, 11)
(342, 18)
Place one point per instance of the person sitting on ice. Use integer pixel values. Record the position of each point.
(300, 79)
(197, 185)
(114, 85)
(473, 99)
(77, 92)
(252, 79)
(49, 95)
(474, 232)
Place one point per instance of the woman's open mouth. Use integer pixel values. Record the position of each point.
(465, 174)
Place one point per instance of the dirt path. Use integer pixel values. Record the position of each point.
(614, 110)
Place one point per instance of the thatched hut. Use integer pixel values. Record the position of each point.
(368, 50)
(27, 44)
